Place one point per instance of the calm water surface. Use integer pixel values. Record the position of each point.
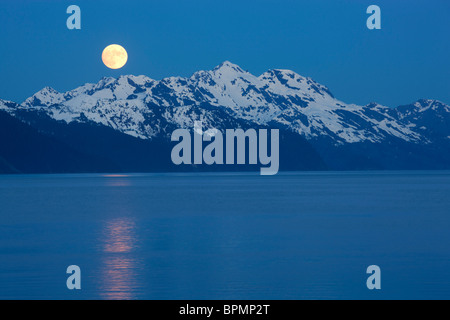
(226, 236)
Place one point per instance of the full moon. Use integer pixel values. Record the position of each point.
(114, 56)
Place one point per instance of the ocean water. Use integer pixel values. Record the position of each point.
(226, 236)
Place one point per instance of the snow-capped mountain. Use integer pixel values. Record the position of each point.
(431, 118)
(145, 108)
(125, 124)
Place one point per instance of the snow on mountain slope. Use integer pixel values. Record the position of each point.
(144, 108)
(429, 117)
(8, 106)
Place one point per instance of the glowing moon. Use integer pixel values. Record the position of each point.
(114, 56)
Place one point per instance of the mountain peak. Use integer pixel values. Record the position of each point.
(426, 104)
(48, 90)
(228, 66)
(428, 101)
(44, 97)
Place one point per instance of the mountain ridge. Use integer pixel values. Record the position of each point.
(227, 97)
(278, 95)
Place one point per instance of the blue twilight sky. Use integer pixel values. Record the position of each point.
(409, 58)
